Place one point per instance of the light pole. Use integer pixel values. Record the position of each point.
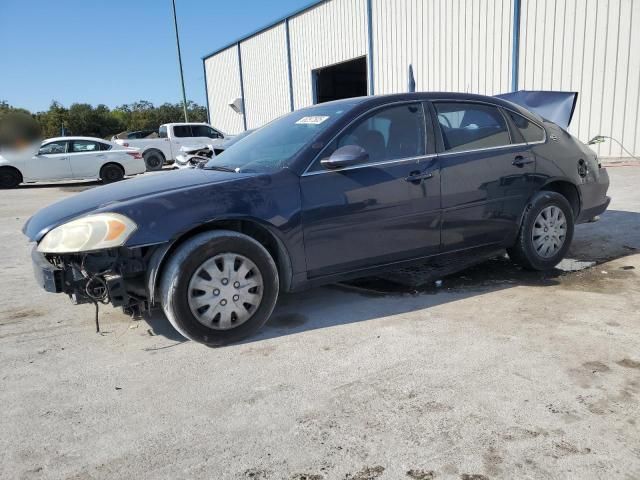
(184, 95)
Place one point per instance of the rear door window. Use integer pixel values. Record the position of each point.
(84, 146)
(162, 133)
(182, 131)
(471, 126)
(529, 130)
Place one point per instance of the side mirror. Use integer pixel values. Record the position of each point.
(345, 157)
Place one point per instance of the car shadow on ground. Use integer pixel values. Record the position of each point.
(616, 235)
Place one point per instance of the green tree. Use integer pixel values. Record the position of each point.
(53, 120)
(83, 119)
(100, 121)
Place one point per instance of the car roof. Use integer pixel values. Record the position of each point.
(459, 96)
(184, 123)
(93, 139)
(375, 100)
(424, 96)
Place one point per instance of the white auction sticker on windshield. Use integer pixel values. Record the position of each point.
(311, 120)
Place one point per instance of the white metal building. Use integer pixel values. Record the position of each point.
(341, 48)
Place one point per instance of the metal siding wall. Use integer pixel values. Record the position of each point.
(266, 82)
(332, 32)
(223, 86)
(462, 45)
(585, 45)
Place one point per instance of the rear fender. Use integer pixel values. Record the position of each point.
(544, 188)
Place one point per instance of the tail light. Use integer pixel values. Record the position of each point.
(125, 144)
(135, 155)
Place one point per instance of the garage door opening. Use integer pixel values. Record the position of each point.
(344, 80)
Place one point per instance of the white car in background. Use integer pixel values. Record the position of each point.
(71, 158)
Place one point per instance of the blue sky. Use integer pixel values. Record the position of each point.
(117, 51)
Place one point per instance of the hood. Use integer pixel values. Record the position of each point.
(557, 107)
(101, 198)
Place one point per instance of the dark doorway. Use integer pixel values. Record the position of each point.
(344, 80)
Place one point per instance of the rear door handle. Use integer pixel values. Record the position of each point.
(418, 176)
(521, 161)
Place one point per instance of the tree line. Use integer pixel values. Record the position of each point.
(101, 121)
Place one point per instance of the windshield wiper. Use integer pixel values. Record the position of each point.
(220, 168)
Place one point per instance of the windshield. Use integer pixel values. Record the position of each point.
(272, 147)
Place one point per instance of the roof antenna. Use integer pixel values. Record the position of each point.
(412, 80)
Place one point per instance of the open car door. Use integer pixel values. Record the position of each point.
(557, 107)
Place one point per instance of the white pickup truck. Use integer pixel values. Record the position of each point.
(172, 137)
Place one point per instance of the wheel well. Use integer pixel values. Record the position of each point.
(7, 167)
(568, 191)
(252, 229)
(154, 150)
(115, 164)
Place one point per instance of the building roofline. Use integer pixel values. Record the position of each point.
(275, 23)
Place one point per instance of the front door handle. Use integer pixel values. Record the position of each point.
(521, 161)
(418, 176)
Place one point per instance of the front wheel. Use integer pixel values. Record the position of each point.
(546, 232)
(219, 287)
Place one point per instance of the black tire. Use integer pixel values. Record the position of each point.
(187, 260)
(111, 173)
(524, 251)
(9, 177)
(154, 160)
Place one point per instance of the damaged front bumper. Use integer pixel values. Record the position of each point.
(112, 276)
(47, 275)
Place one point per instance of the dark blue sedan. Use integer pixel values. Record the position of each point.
(336, 191)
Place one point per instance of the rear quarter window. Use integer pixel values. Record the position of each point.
(529, 130)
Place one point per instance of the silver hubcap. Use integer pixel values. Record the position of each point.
(549, 231)
(225, 291)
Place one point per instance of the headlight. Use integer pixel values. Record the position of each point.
(93, 232)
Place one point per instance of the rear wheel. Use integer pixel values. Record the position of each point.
(9, 178)
(154, 160)
(546, 232)
(111, 173)
(219, 287)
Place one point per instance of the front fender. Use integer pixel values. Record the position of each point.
(163, 252)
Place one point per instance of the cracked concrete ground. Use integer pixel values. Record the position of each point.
(499, 374)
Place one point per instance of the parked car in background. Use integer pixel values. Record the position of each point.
(194, 157)
(339, 190)
(197, 155)
(135, 135)
(171, 138)
(222, 146)
(72, 158)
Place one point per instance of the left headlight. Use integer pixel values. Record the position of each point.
(93, 232)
